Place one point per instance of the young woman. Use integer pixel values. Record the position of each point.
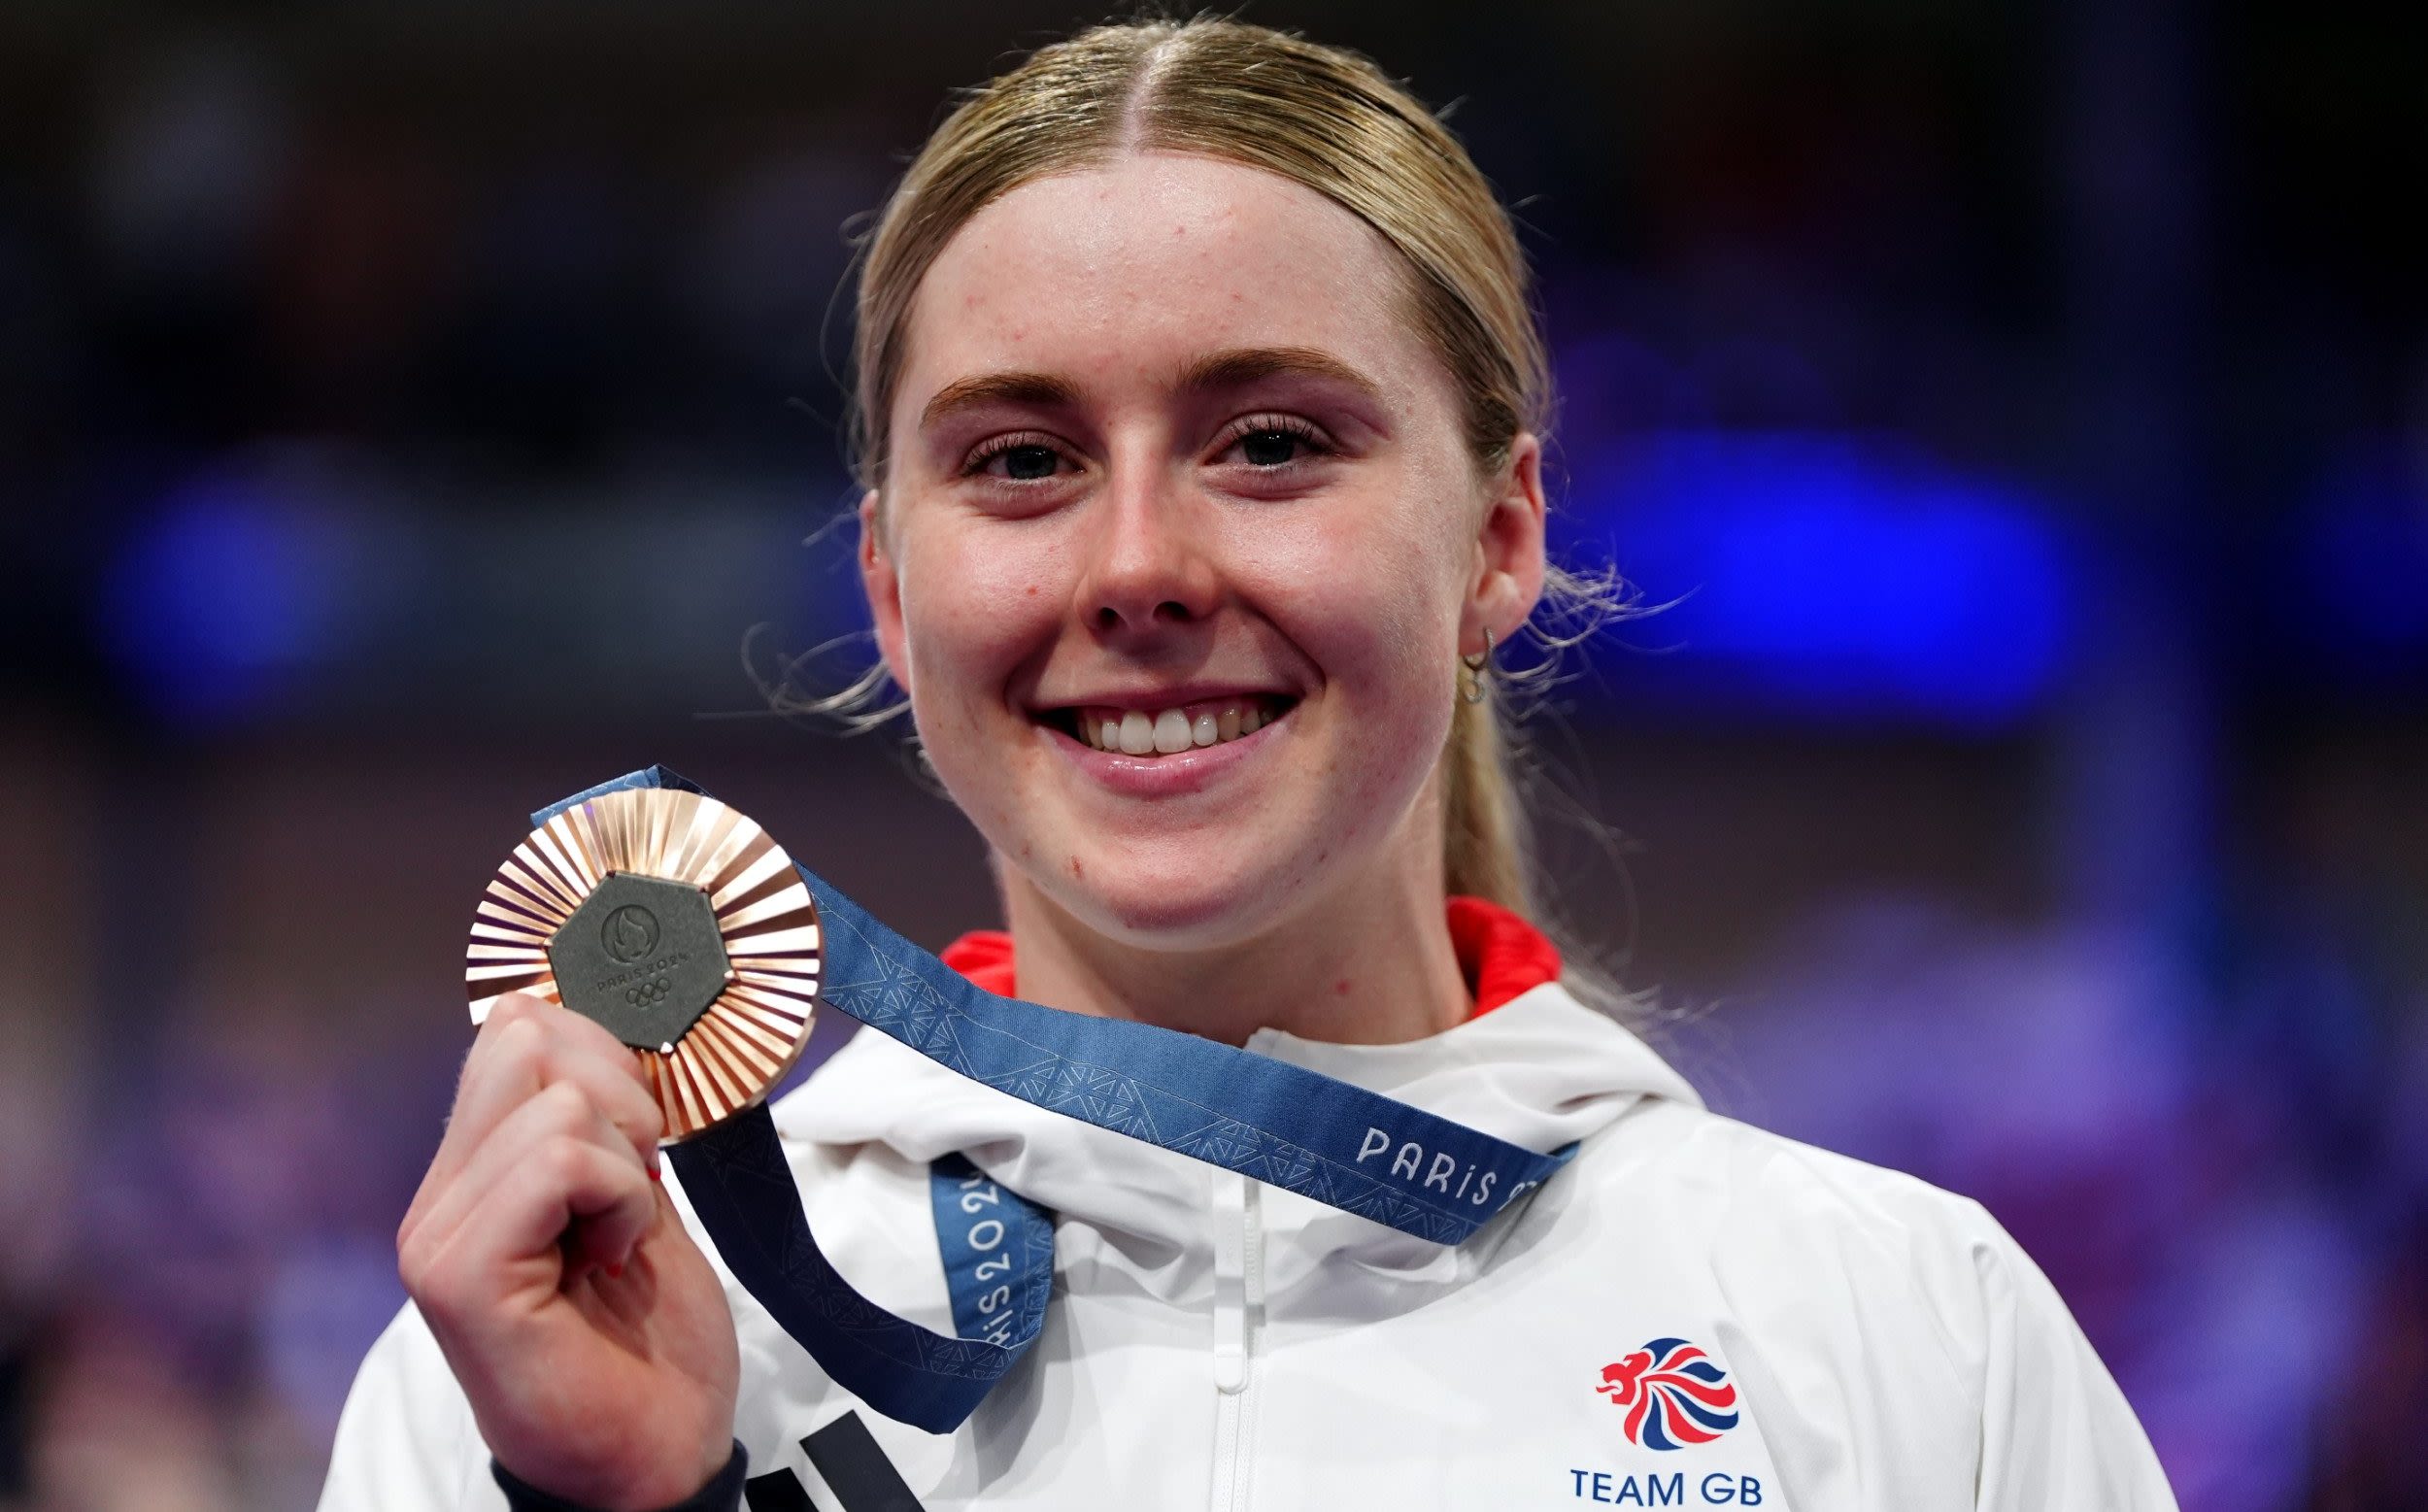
(1202, 416)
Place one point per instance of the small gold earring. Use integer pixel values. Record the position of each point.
(1474, 670)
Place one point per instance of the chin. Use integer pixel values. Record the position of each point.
(1144, 905)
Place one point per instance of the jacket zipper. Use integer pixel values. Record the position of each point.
(1239, 1297)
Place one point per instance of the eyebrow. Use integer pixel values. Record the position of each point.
(1242, 365)
(1217, 370)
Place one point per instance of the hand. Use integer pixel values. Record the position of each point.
(589, 1332)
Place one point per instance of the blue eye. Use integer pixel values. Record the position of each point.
(1271, 447)
(1271, 442)
(1025, 459)
(1027, 462)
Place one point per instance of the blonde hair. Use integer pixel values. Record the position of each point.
(1326, 119)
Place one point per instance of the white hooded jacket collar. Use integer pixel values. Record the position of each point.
(1542, 1070)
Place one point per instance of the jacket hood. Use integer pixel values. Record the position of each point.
(1542, 1070)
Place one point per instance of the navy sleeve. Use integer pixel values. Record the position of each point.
(721, 1494)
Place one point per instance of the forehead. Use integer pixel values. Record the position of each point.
(1125, 272)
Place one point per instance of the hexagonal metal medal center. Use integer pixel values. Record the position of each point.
(642, 957)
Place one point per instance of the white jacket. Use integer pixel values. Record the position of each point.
(1217, 1343)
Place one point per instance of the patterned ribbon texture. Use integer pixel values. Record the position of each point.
(1279, 1124)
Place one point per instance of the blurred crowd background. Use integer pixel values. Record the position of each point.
(410, 413)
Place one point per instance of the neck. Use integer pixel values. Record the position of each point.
(1369, 964)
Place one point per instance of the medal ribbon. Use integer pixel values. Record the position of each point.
(1280, 1124)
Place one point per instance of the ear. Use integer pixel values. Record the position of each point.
(879, 579)
(1509, 560)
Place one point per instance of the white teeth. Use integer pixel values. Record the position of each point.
(1171, 732)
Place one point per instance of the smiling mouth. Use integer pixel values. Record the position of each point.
(1167, 732)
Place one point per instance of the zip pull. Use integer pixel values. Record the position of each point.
(1235, 1246)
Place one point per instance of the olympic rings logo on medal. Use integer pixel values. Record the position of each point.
(648, 994)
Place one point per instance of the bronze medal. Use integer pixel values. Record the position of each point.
(676, 924)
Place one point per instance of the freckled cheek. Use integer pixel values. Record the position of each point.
(967, 639)
(971, 614)
(1374, 635)
(1369, 590)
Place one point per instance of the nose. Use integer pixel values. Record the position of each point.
(1148, 568)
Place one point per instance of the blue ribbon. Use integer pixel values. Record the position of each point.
(1280, 1124)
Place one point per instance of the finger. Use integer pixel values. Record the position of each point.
(507, 1245)
(527, 1046)
(537, 1036)
(559, 1114)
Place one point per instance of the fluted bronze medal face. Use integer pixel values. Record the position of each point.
(674, 921)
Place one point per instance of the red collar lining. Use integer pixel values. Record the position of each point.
(1499, 954)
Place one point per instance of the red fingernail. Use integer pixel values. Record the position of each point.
(616, 1271)
(653, 1174)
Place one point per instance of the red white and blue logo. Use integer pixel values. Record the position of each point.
(1672, 1393)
